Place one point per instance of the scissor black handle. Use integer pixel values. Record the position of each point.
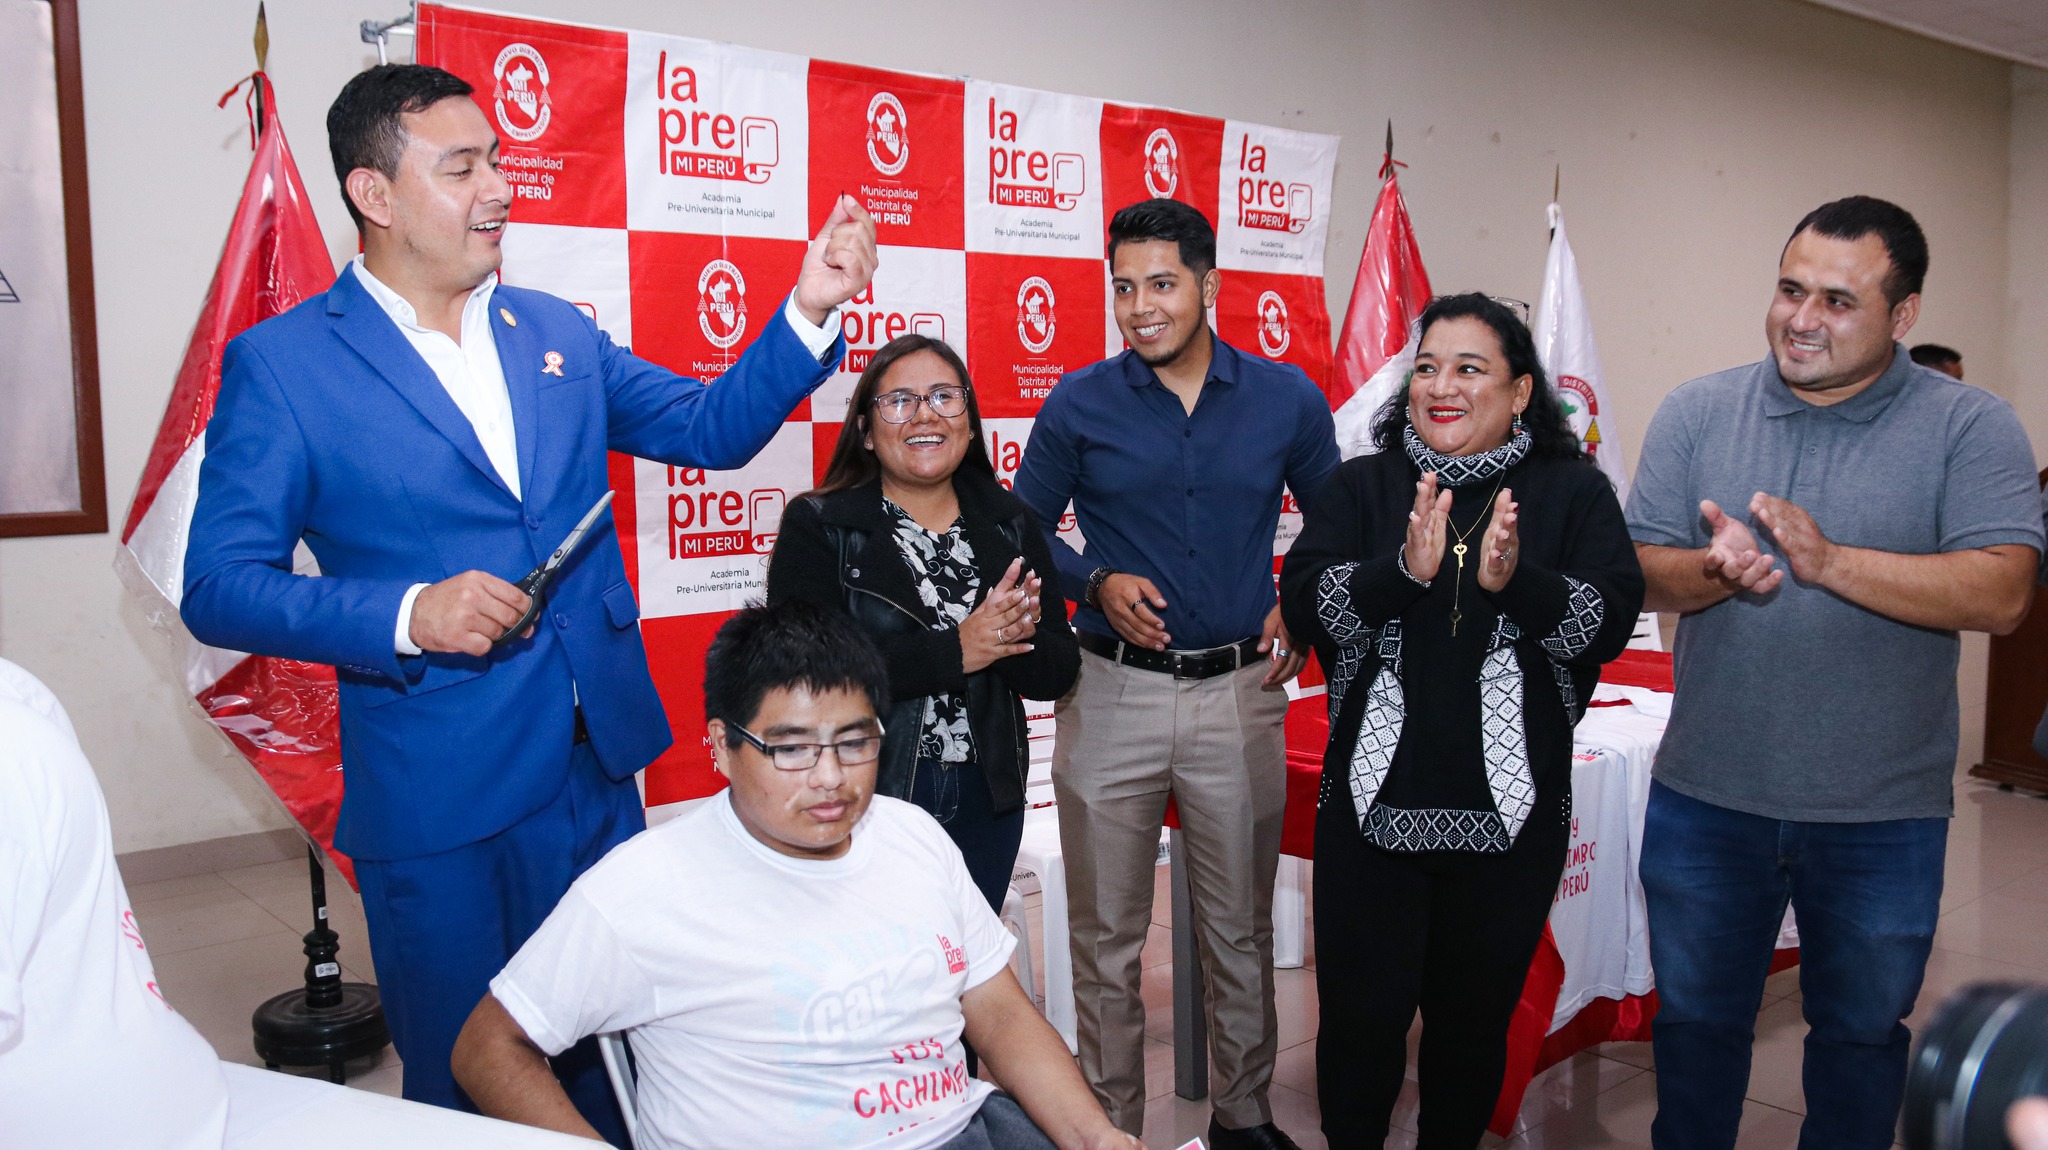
(536, 587)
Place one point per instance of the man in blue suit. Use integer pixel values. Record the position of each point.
(430, 435)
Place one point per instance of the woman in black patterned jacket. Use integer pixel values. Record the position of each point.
(1461, 588)
(948, 573)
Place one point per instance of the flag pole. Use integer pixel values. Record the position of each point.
(262, 42)
(1556, 183)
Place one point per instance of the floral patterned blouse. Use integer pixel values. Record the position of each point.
(942, 567)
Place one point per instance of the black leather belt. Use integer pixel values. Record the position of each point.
(582, 734)
(1206, 664)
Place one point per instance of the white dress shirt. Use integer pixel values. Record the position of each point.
(475, 380)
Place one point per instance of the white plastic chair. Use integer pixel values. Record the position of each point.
(1648, 635)
(1013, 917)
(1039, 856)
(618, 1066)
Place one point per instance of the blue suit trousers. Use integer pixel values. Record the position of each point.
(443, 925)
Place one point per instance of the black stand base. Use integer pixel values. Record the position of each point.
(326, 1022)
(291, 1033)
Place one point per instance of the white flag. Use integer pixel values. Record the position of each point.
(1354, 418)
(1564, 342)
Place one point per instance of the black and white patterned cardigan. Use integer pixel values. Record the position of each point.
(1571, 606)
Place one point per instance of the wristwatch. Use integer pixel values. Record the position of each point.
(1096, 579)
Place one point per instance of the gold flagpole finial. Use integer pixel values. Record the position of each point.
(262, 38)
(1556, 182)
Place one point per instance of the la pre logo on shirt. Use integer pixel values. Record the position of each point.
(956, 957)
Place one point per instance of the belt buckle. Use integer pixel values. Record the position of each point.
(1184, 666)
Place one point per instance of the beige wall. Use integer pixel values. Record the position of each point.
(2027, 277)
(1691, 137)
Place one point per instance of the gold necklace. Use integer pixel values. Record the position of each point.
(1458, 548)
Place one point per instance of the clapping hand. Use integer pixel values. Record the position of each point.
(840, 261)
(1000, 626)
(1733, 558)
(1423, 550)
(1807, 551)
(1502, 543)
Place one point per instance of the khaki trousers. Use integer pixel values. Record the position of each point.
(1128, 738)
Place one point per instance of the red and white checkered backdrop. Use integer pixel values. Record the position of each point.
(668, 185)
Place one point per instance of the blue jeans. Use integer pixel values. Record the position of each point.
(1000, 1124)
(956, 794)
(1716, 882)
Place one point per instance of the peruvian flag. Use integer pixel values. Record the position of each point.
(1564, 341)
(1376, 353)
(280, 713)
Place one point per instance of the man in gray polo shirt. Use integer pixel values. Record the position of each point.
(1826, 520)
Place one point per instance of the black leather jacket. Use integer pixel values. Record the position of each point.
(839, 551)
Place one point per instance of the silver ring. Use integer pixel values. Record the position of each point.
(1280, 651)
(1002, 635)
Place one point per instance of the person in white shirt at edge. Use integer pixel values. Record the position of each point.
(90, 1053)
(796, 961)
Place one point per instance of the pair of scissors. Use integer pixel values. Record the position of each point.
(539, 579)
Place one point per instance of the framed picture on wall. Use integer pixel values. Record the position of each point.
(52, 467)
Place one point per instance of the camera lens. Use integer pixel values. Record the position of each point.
(1986, 1049)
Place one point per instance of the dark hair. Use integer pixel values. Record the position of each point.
(363, 125)
(1854, 217)
(1550, 436)
(795, 644)
(1164, 219)
(852, 463)
(1934, 355)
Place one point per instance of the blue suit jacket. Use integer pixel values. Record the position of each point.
(331, 428)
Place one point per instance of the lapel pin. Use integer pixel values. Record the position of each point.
(505, 313)
(554, 364)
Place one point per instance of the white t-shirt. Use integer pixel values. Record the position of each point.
(772, 1001)
(90, 1054)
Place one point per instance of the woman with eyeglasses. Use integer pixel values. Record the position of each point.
(912, 535)
(1461, 588)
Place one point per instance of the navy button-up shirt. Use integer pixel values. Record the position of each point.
(1188, 501)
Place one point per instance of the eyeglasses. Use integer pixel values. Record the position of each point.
(795, 757)
(901, 406)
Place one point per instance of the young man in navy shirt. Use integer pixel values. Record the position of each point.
(1174, 455)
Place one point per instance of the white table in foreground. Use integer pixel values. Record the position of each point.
(272, 1111)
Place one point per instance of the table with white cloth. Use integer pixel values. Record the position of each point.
(268, 1110)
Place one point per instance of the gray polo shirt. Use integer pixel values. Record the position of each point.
(1799, 704)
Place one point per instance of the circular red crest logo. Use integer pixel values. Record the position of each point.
(1273, 331)
(1162, 163)
(519, 92)
(722, 304)
(888, 134)
(1035, 320)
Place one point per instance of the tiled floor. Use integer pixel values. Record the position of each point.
(225, 941)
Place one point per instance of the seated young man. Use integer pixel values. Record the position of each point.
(797, 960)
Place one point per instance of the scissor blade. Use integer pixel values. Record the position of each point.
(576, 536)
